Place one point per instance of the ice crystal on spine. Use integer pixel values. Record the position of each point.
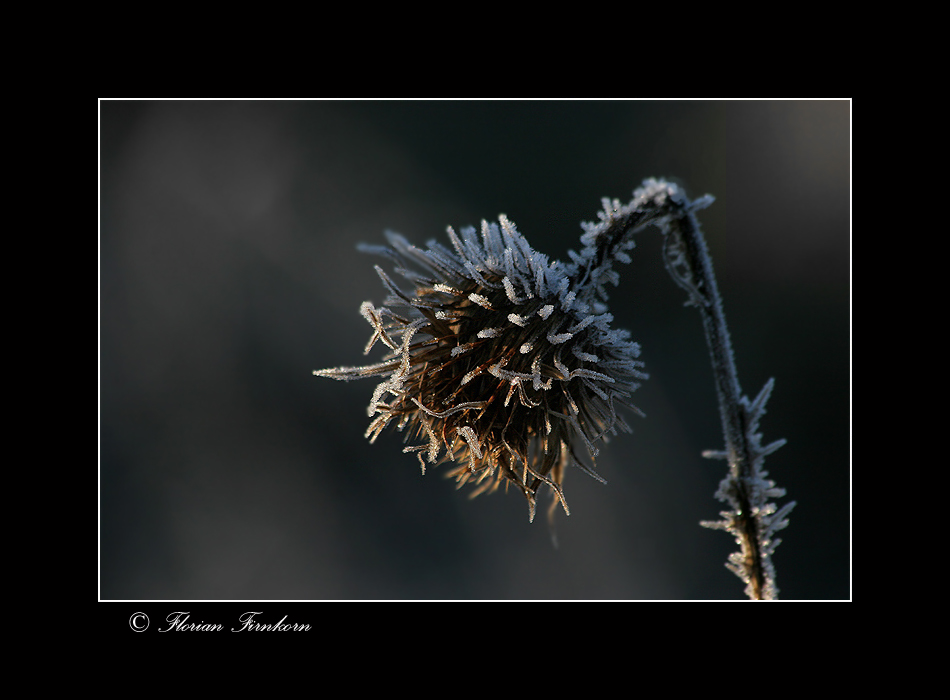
(498, 360)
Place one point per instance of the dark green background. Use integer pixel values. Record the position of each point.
(229, 271)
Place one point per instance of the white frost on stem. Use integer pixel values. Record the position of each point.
(753, 519)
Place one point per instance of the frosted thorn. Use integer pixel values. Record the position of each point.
(510, 290)
(480, 300)
(771, 447)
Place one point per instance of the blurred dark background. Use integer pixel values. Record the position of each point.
(229, 271)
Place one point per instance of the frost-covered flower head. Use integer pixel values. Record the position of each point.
(499, 360)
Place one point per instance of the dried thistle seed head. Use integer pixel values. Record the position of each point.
(498, 360)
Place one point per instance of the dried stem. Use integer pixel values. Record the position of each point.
(752, 520)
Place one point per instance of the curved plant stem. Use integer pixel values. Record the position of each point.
(752, 520)
(689, 239)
